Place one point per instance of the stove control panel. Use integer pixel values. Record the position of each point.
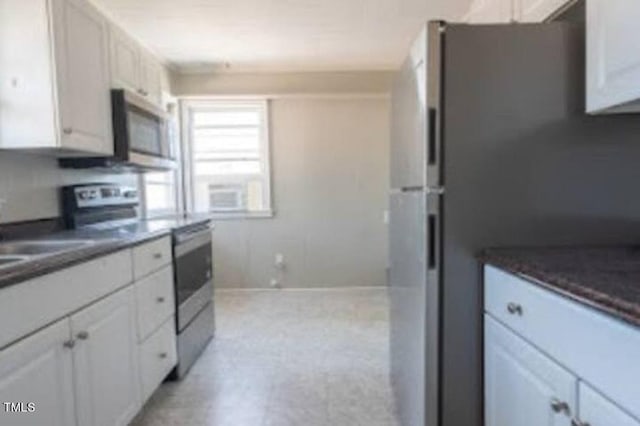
(104, 195)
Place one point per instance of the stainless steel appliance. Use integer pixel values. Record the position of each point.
(194, 293)
(490, 147)
(141, 137)
(113, 208)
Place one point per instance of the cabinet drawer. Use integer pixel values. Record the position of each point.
(155, 300)
(596, 410)
(30, 305)
(596, 347)
(151, 256)
(157, 358)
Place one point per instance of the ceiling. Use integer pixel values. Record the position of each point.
(279, 35)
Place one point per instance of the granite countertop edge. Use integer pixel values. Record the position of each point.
(604, 302)
(48, 264)
(101, 246)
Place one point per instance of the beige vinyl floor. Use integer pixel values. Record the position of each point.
(285, 358)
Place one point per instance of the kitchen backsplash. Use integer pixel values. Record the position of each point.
(29, 185)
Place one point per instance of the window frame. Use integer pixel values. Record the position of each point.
(187, 106)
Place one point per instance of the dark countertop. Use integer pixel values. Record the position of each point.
(104, 241)
(605, 278)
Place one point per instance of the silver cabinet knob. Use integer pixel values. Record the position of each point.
(69, 344)
(83, 335)
(160, 299)
(163, 355)
(67, 130)
(514, 309)
(560, 406)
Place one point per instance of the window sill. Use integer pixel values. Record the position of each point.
(265, 214)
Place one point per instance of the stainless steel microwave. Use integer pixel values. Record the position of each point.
(141, 137)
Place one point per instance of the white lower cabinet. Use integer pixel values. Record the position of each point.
(157, 357)
(522, 386)
(105, 361)
(72, 352)
(38, 370)
(596, 410)
(550, 361)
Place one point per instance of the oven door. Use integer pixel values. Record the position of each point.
(193, 271)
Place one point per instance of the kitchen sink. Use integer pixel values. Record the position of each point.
(37, 248)
(10, 260)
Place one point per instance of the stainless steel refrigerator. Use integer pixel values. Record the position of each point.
(490, 147)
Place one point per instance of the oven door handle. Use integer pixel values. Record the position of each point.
(189, 242)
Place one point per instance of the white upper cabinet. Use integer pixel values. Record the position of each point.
(82, 64)
(54, 78)
(151, 82)
(490, 12)
(125, 61)
(134, 69)
(613, 56)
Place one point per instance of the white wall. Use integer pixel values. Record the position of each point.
(329, 149)
(30, 185)
(283, 83)
(330, 180)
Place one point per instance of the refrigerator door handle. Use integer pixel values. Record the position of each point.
(432, 239)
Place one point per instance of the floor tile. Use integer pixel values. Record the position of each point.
(287, 358)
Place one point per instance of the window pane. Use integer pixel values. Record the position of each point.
(204, 168)
(226, 145)
(160, 192)
(222, 117)
(228, 164)
(159, 197)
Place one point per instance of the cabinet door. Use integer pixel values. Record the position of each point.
(125, 61)
(38, 370)
(106, 361)
(82, 62)
(596, 410)
(537, 10)
(151, 80)
(522, 386)
(613, 55)
(490, 12)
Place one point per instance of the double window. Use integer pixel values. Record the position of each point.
(228, 159)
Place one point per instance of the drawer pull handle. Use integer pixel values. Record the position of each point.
(514, 309)
(576, 422)
(83, 335)
(160, 299)
(157, 255)
(69, 344)
(163, 355)
(559, 406)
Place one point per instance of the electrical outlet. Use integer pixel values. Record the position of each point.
(385, 217)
